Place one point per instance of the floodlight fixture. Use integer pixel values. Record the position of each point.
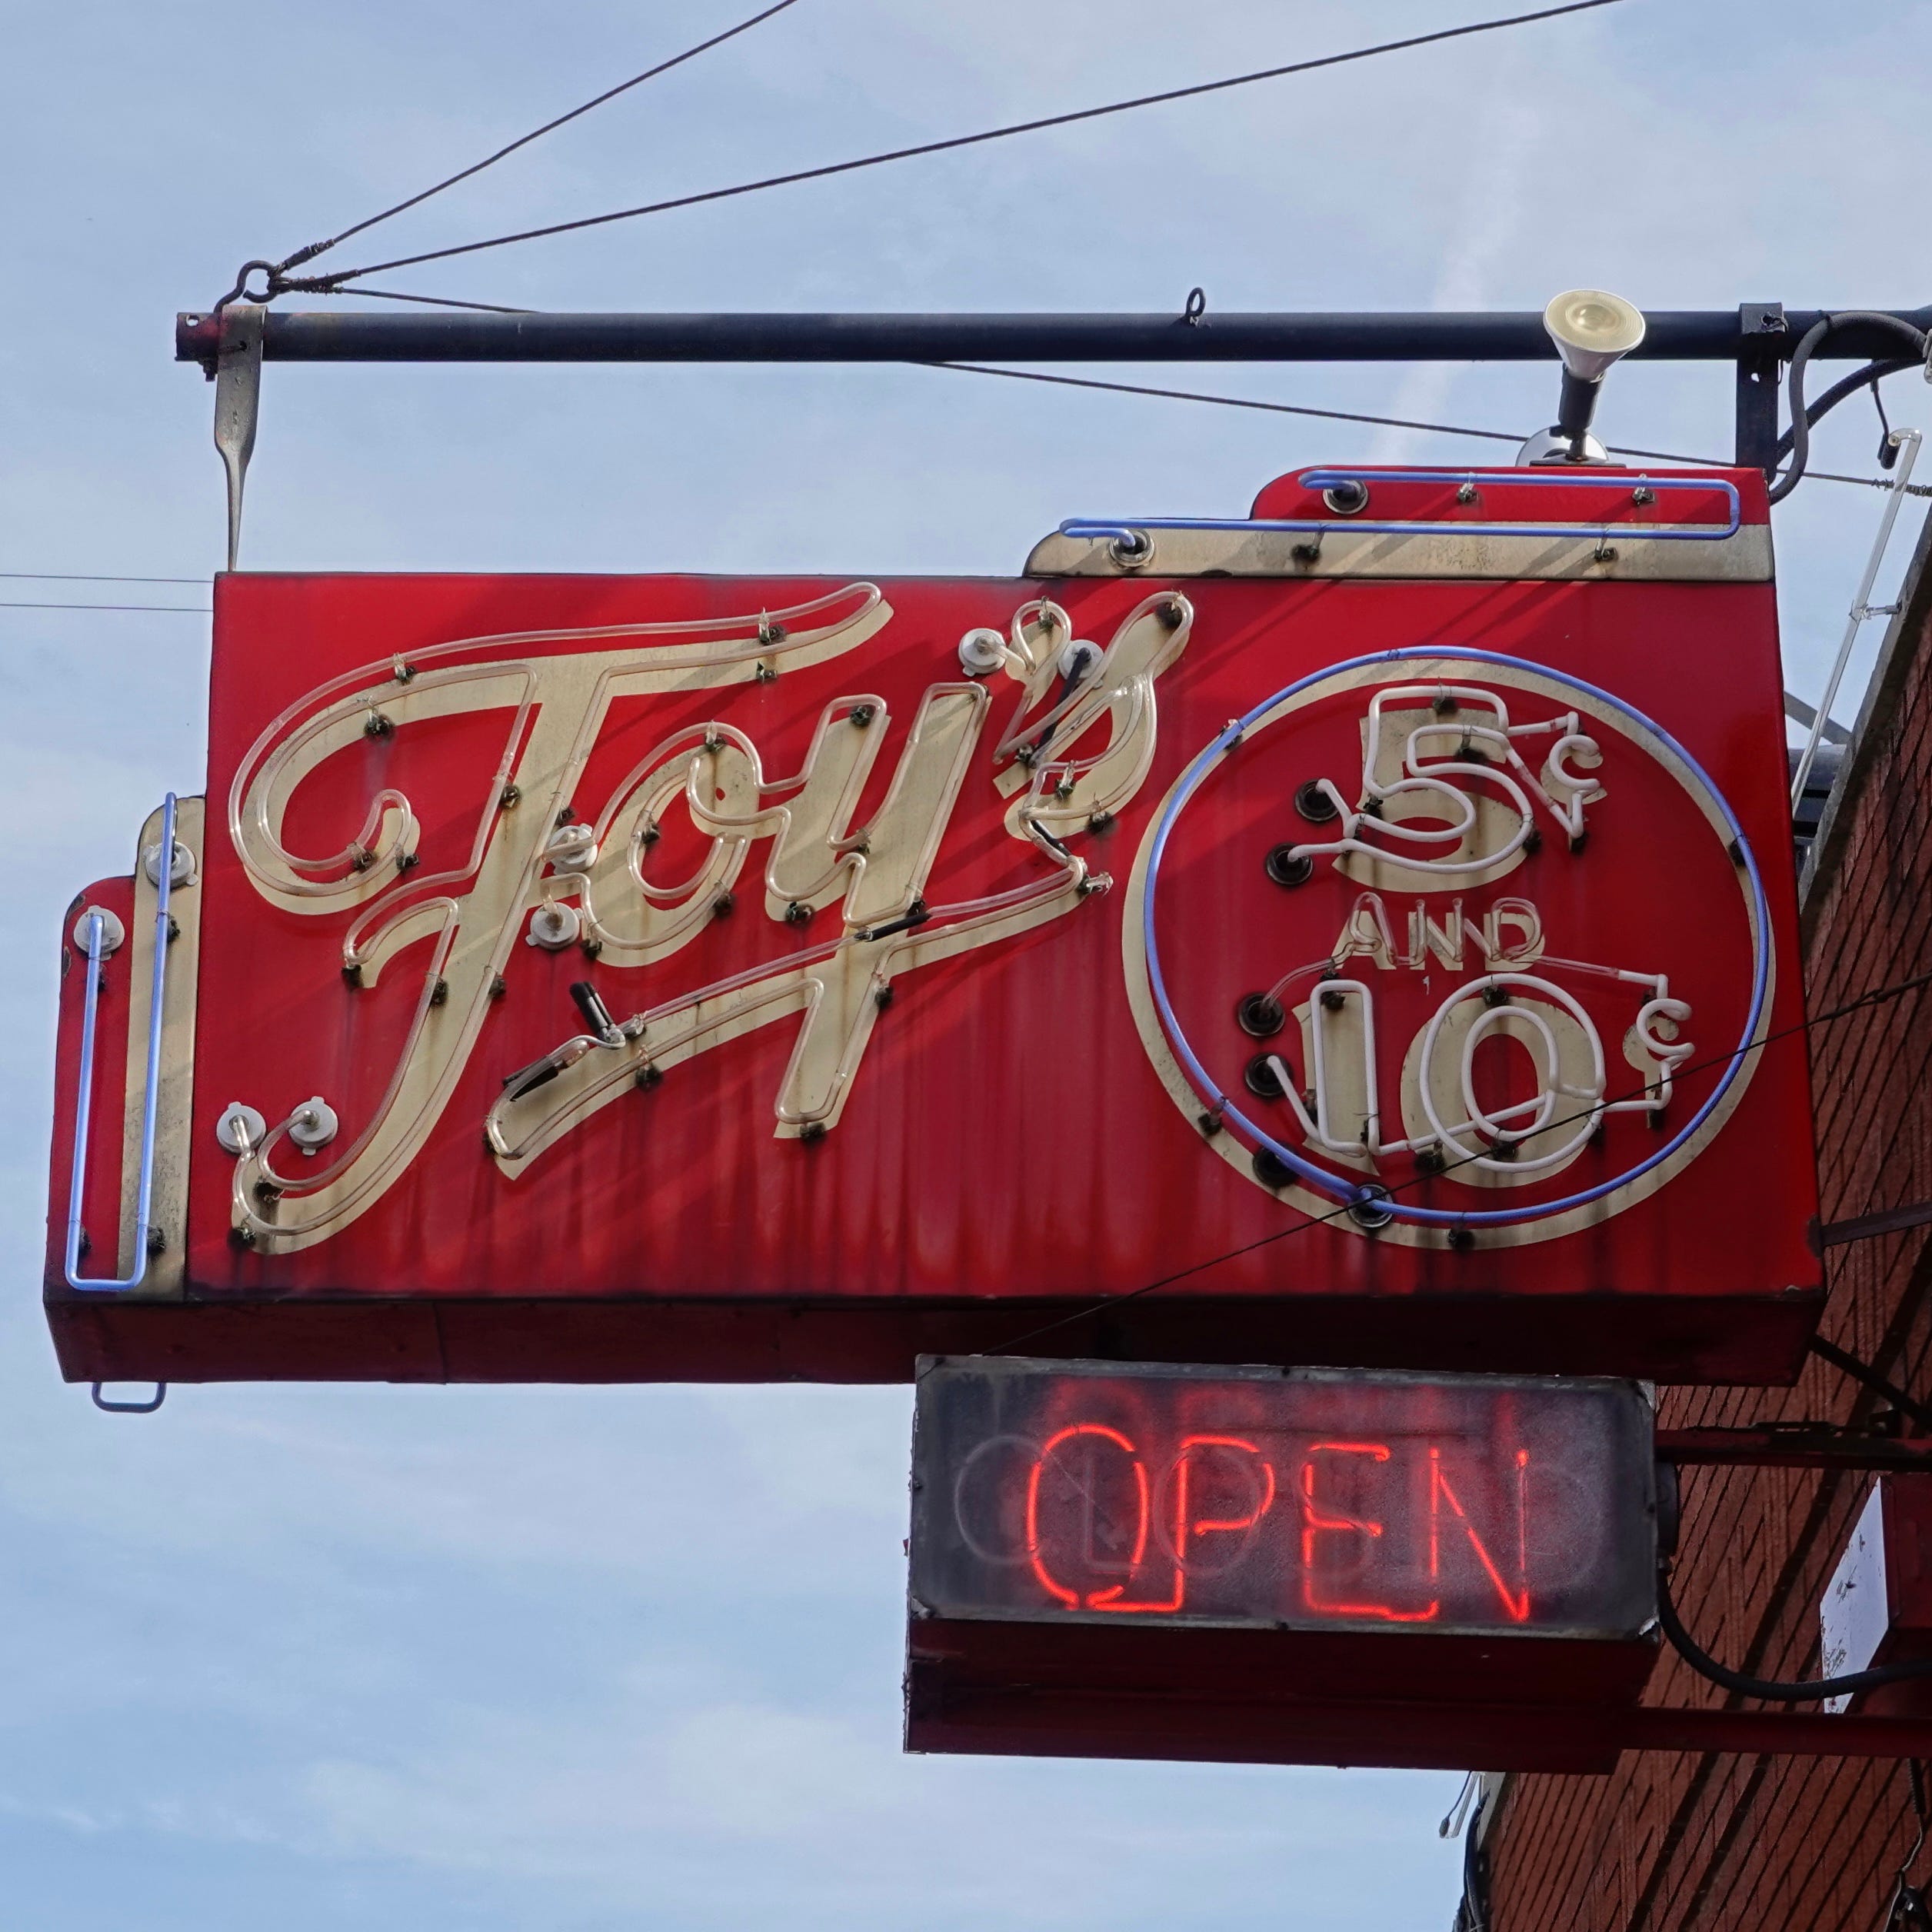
(1592, 329)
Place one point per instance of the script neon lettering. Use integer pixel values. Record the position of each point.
(590, 875)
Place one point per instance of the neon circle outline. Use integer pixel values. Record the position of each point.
(1337, 1187)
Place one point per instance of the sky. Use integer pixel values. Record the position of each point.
(499, 1660)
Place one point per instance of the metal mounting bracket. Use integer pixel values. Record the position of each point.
(130, 1408)
(1885, 1221)
(238, 396)
(94, 921)
(1801, 1445)
(1764, 341)
(1130, 532)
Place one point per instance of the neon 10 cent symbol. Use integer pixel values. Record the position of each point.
(1462, 945)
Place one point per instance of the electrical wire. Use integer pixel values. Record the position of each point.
(279, 280)
(1801, 420)
(315, 249)
(87, 577)
(1772, 1689)
(200, 610)
(1869, 377)
(1896, 989)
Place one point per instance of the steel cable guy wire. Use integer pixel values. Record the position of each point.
(442, 302)
(1437, 429)
(87, 577)
(1832, 396)
(279, 280)
(315, 249)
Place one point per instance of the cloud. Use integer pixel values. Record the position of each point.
(1488, 229)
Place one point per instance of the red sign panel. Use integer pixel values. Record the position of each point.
(1347, 945)
(1442, 1552)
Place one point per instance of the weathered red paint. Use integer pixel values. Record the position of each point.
(1007, 1158)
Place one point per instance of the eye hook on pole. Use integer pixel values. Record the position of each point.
(240, 292)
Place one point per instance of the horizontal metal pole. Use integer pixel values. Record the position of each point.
(354, 335)
(1887, 1220)
(1795, 1734)
(1768, 1448)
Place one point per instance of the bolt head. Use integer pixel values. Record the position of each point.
(1287, 867)
(1261, 1015)
(1269, 1169)
(1259, 1077)
(1313, 802)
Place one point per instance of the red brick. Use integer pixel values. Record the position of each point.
(1673, 1842)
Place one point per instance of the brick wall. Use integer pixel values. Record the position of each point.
(1672, 1841)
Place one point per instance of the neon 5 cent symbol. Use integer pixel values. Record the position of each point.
(1462, 943)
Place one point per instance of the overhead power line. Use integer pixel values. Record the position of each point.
(279, 280)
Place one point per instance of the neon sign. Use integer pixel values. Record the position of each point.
(666, 977)
(1076, 746)
(1447, 1022)
(1311, 1500)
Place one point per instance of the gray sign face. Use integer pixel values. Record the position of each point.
(1312, 1499)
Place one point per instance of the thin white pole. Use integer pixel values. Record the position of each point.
(1907, 442)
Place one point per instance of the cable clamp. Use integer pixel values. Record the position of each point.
(277, 280)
